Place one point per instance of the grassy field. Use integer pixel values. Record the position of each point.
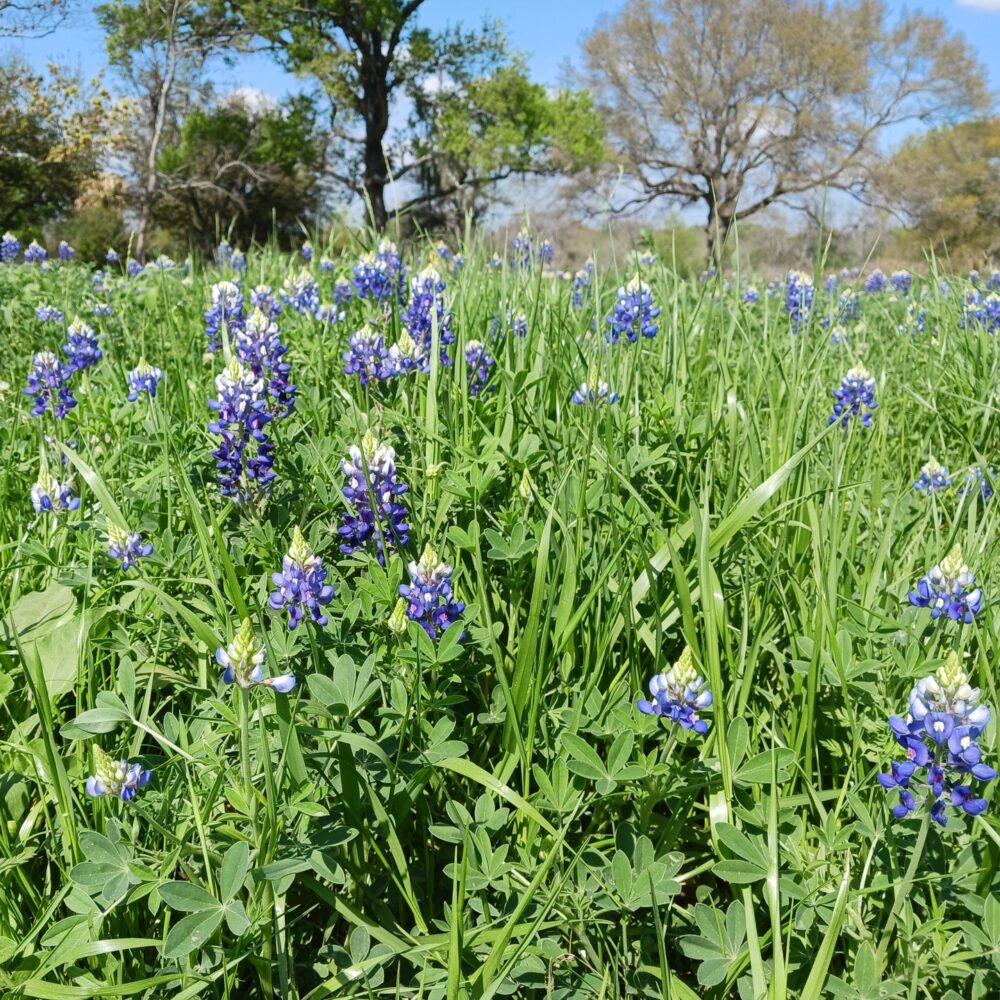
(481, 810)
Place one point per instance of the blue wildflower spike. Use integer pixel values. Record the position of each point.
(127, 546)
(48, 494)
(301, 585)
(429, 595)
(633, 313)
(48, 385)
(143, 378)
(242, 662)
(118, 778)
(940, 734)
(947, 589)
(933, 477)
(679, 695)
(854, 398)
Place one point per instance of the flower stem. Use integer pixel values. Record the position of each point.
(903, 890)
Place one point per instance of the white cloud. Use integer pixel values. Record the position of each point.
(993, 5)
(255, 100)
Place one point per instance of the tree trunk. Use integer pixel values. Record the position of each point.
(720, 221)
(375, 178)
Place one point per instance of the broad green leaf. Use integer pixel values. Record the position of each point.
(191, 932)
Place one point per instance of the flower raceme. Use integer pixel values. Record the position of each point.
(799, 294)
(47, 384)
(259, 347)
(633, 313)
(127, 546)
(143, 378)
(679, 695)
(366, 355)
(595, 390)
(372, 492)
(81, 347)
(429, 595)
(933, 477)
(116, 777)
(948, 589)
(478, 364)
(225, 314)
(301, 585)
(940, 734)
(48, 494)
(242, 662)
(854, 398)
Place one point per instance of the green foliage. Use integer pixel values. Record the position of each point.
(490, 815)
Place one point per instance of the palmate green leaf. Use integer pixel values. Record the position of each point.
(191, 932)
(233, 873)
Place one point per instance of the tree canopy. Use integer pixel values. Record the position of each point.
(739, 104)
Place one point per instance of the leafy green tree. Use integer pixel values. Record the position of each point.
(471, 133)
(158, 49)
(49, 129)
(739, 104)
(946, 184)
(243, 169)
(475, 116)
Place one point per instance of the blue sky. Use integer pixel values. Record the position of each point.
(547, 31)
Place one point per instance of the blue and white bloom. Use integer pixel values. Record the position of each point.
(48, 314)
(366, 355)
(118, 778)
(477, 364)
(933, 477)
(430, 600)
(679, 695)
(35, 254)
(224, 317)
(10, 247)
(143, 378)
(301, 585)
(301, 292)
(48, 385)
(82, 346)
(633, 313)
(949, 589)
(940, 733)
(799, 294)
(242, 662)
(855, 398)
(126, 546)
(594, 390)
(48, 494)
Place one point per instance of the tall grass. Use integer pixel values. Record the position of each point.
(493, 817)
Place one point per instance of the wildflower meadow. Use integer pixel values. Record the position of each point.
(435, 622)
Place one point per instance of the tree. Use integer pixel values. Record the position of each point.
(48, 144)
(946, 183)
(31, 18)
(159, 48)
(471, 132)
(739, 104)
(243, 167)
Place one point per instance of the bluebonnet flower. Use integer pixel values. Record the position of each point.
(940, 733)
(162, 263)
(856, 392)
(708, 274)
(848, 307)
(326, 265)
(679, 695)
(301, 584)
(366, 355)
(301, 292)
(633, 312)
(48, 494)
(327, 312)
(406, 355)
(425, 306)
(223, 253)
(496, 263)
(993, 282)
(647, 259)
(429, 595)
(35, 254)
(982, 311)
(380, 275)
(594, 390)
(259, 346)
(916, 319)
(876, 281)
(831, 283)
(343, 292)
(48, 314)
(799, 294)
(112, 256)
(116, 777)
(126, 546)
(521, 255)
(978, 480)
(582, 282)
(244, 456)
(238, 261)
(948, 589)
(242, 662)
(478, 364)
(81, 347)
(10, 247)
(751, 295)
(546, 252)
(933, 477)
(901, 281)
(224, 314)
(133, 268)
(264, 299)
(372, 492)
(143, 378)
(307, 251)
(442, 249)
(65, 251)
(47, 383)
(103, 309)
